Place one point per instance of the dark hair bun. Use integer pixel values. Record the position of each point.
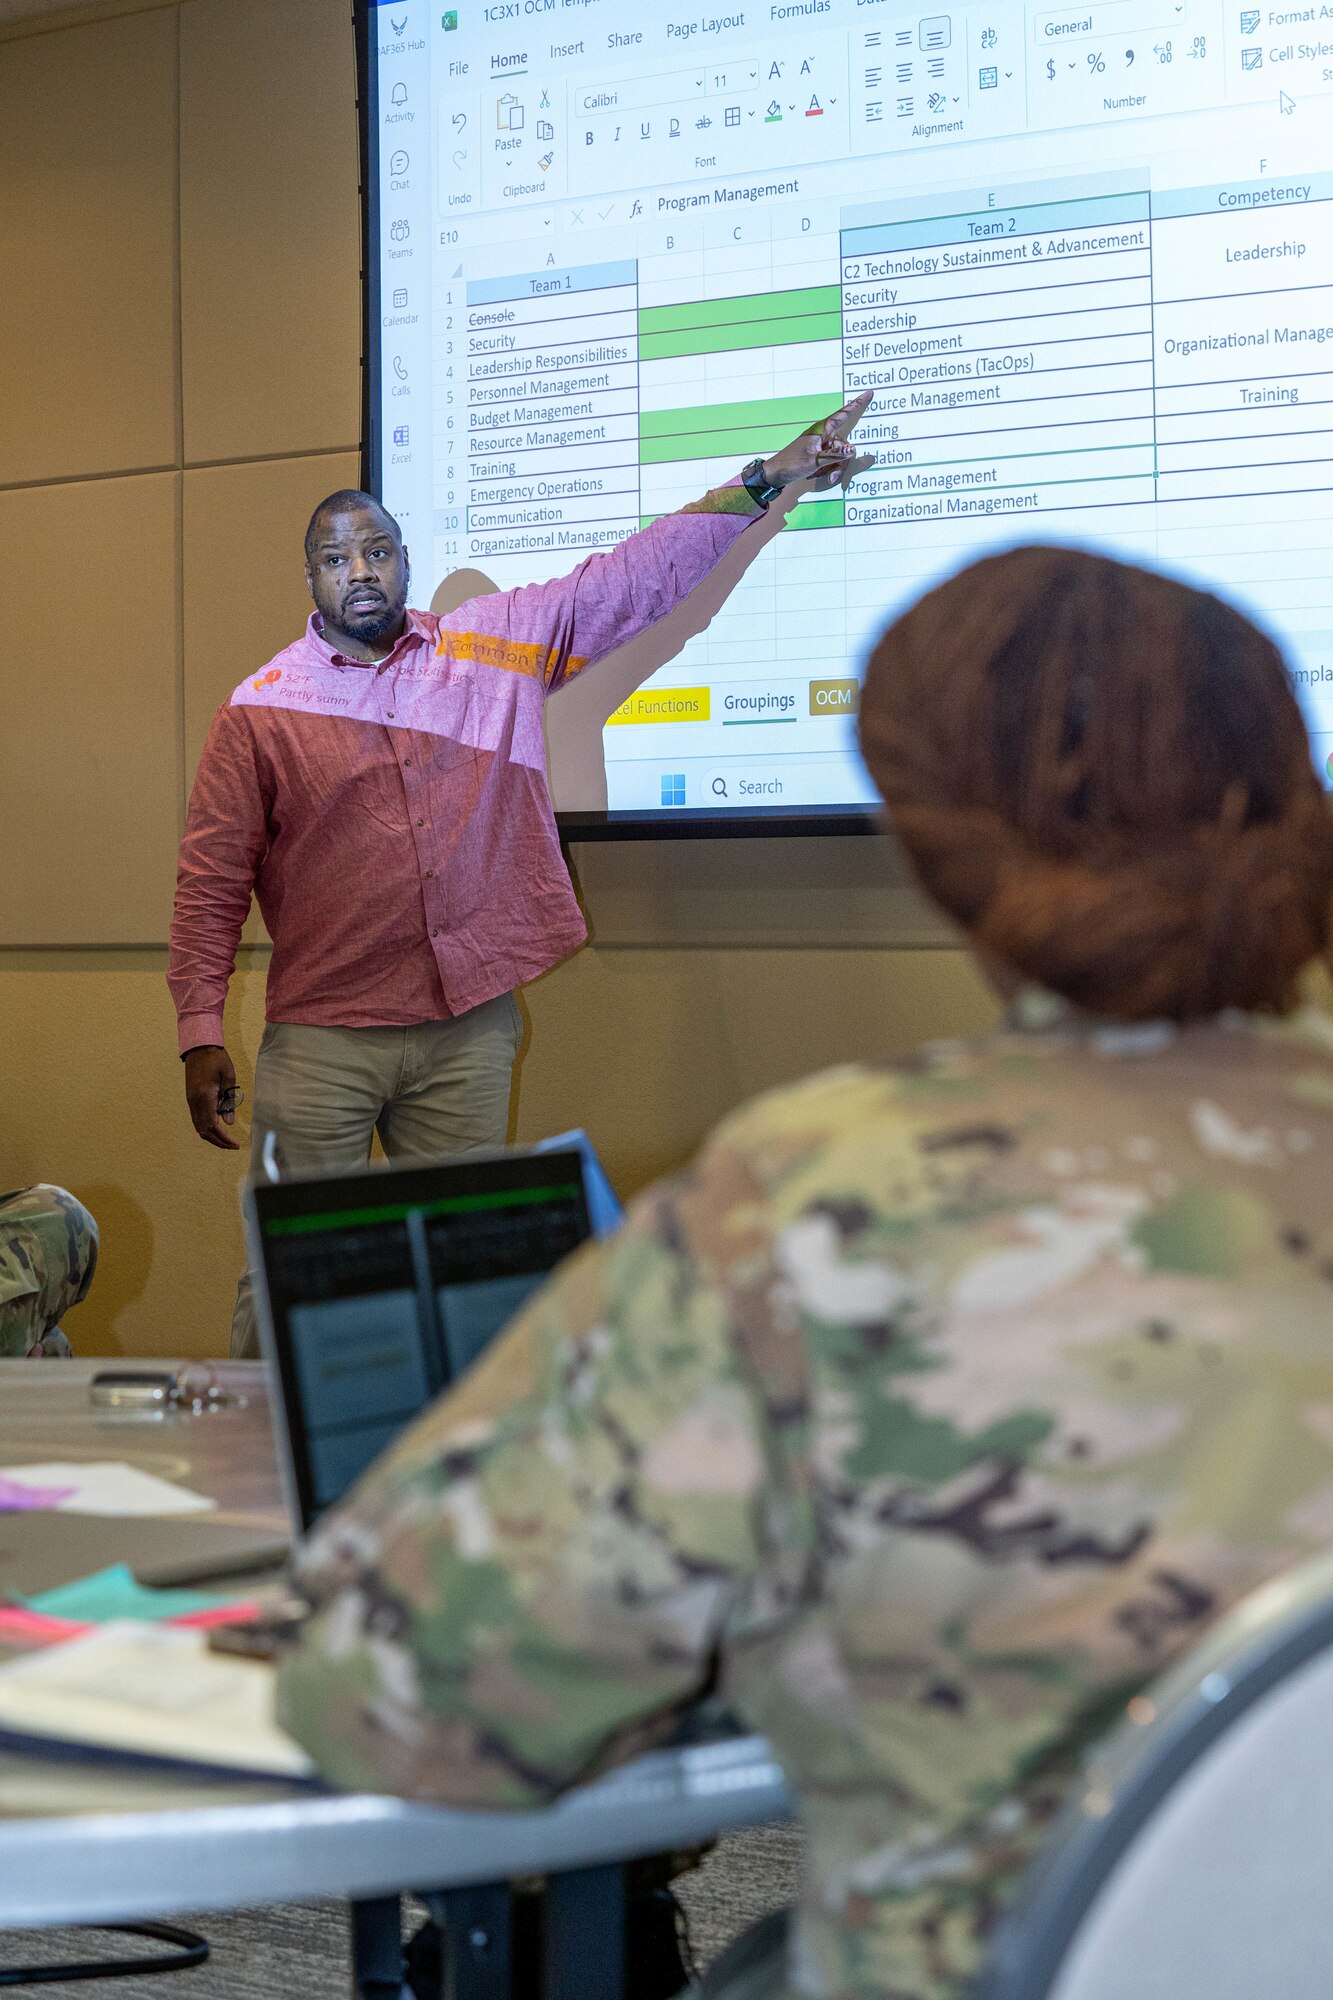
(1104, 776)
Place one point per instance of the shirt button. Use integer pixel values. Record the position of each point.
(429, 873)
(407, 760)
(421, 822)
(435, 933)
(391, 715)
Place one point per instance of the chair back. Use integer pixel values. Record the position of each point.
(1196, 1862)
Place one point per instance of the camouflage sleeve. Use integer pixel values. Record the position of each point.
(544, 1566)
(48, 1253)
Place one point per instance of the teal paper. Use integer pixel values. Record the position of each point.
(114, 1593)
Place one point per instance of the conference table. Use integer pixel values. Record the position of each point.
(83, 1842)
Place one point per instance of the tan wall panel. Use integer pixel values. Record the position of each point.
(245, 594)
(87, 247)
(270, 243)
(102, 1111)
(89, 747)
(647, 1049)
(816, 892)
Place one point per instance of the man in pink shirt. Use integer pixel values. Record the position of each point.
(380, 786)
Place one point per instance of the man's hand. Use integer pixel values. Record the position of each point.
(210, 1085)
(823, 454)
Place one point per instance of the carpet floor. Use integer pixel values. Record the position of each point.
(298, 1951)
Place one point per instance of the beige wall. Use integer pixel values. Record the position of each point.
(178, 385)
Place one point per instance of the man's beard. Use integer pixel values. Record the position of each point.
(369, 627)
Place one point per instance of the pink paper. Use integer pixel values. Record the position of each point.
(20, 1627)
(218, 1614)
(16, 1498)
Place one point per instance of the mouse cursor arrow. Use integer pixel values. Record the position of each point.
(1286, 105)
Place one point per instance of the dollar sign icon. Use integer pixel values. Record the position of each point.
(1050, 69)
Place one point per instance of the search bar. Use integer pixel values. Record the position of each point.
(759, 781)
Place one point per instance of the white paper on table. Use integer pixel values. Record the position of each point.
(151, 1690)
(109, 1486)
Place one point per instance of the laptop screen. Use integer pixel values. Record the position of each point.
(382, 1287)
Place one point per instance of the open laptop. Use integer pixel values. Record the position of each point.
(375, 1290)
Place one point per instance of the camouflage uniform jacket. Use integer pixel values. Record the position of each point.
(932, 1411)
(48, 1253)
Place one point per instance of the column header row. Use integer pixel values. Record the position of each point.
(553, 281)
(977, 215)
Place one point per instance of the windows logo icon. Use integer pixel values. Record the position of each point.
(673, 788)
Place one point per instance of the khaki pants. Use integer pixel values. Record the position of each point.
(440, 1087)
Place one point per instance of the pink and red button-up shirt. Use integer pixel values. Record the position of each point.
(394, 820)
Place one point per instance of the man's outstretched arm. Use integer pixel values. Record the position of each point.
(567, 625)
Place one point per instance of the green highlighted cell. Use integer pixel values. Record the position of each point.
(758, 319)
(816, 514)
(749, 306)
(757, 441)
(752, 333)
(729, 430)
(805, 514)
(788, 412)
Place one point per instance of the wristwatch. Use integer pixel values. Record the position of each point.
(756, 485)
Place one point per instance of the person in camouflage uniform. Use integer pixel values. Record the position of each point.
(940, 1403)
(48, 1254)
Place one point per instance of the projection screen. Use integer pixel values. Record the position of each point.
(1083, 255)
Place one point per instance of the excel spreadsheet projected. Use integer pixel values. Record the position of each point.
(1082, 254)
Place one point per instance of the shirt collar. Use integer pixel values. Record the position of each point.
(414, 632)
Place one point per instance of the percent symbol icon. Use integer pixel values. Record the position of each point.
(1096, 61)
